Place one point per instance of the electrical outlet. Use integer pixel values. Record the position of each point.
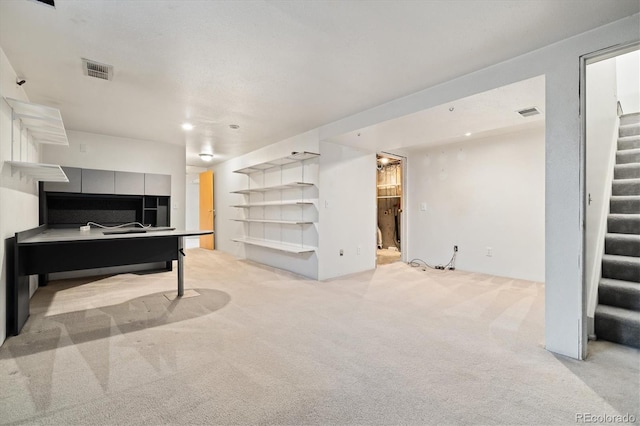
(489, 252)
(341, 252)
(455, 248)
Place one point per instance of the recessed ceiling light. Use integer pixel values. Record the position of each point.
(206, 156)
(234, 126)
(468, 134)
(187, 126)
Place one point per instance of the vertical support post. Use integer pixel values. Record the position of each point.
(180, 267)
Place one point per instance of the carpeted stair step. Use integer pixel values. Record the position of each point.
(625, 204)
(624, 268)
(624, 223)
(630, 119)
(622, 244)
(621, 294)
(627, 156)
(626, 171)
(629, 130)
(629, 142)
(626, 187)
(618, 325)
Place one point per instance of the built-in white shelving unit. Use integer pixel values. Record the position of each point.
(283, 204)
(43, 125)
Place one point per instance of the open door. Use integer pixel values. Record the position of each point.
(206, 208)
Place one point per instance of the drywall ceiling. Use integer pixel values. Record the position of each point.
(275, 68)
(479, 116)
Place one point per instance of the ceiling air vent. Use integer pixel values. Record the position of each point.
(97, 70)
(528, 112)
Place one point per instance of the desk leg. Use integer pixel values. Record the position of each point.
(180, 267)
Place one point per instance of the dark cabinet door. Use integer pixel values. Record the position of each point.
(129, 183)
(98, 181)
(155, 184)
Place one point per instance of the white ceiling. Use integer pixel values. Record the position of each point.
(276, 68)
(485, 114)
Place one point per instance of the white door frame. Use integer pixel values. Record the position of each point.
(403, 207)
(590, 58)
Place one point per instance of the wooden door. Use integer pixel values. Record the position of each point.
(206, 208)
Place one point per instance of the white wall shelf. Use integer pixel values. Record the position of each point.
(43, 125)
(39, 171)
(264, 212)
(276, 245)
(274, 203)
(283, 222)
(274, 188)
(294, 157)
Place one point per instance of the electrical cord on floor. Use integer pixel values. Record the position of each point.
(419, 263)
(118, 226)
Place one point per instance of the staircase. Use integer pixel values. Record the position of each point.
(617, 317)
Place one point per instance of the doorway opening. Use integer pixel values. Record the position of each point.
(389, 193)
(611, 191)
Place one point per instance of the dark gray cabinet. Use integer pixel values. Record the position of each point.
(129, 183)
(108, 197)
(98, 181)
(74, 185)
(155, 184)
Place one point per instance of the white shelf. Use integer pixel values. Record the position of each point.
(294, 157)
(274, 203)
(276, 245)
(283, 222)
(274, 188)
(43, 123)
(39, 171)
(287, 246)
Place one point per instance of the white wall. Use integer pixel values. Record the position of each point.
(565, 329)
(18, 196)
(480, 193)
(348, 210)
(602, 125)
(226, 228)
(628, 76)
(192, 208)
(129, 155)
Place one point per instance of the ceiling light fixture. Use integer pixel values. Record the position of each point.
(187, 126)
(206, 156)
(234, 126)
(468, 134)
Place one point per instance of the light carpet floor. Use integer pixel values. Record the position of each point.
(397, 345)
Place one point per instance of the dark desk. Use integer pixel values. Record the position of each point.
(43, 250)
